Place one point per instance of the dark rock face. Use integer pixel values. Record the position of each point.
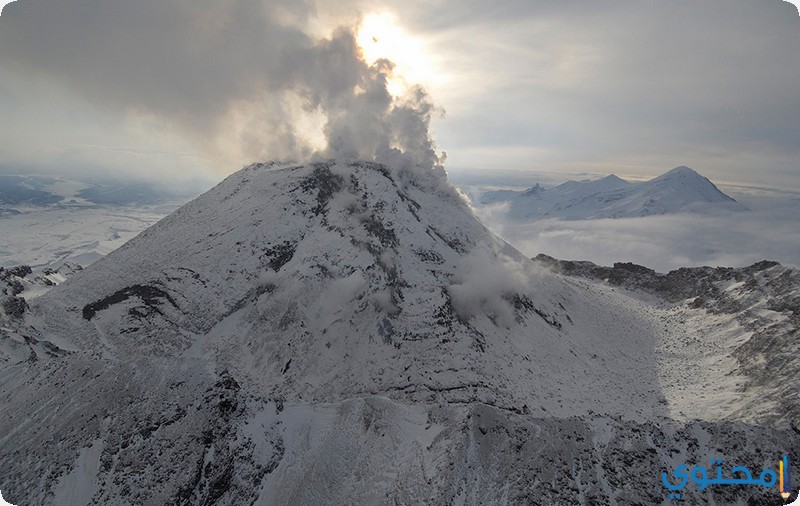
(14, 287)
(702, 283)
(326, 184)
(11, 286)
(150, 296)
(279, 255)
(19, 271)
(14, 306)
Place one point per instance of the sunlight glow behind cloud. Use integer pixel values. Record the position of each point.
(381, 36)
(625, 87)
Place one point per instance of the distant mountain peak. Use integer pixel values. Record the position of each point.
(535, 189)
(687, 187)
(608, 183)
(682, 172)
(613, 178)
(682, 169)
(681, 189)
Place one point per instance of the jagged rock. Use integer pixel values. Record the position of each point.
(14, 306)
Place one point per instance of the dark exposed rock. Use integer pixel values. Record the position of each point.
(279, 255)
(19, 271)
(685, 283)
(151, 296)
(325, 182)
(376, 228)
(15, 287)
(429, 256)
(15, 306)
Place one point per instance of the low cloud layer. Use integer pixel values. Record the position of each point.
(768, 231)
(242, 80)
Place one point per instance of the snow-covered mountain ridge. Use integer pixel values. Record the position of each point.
(340, 333)
(679, 190)
(752, 312)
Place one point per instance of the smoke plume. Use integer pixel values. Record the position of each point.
(245, 79)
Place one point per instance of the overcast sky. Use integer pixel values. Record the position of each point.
(200, 87)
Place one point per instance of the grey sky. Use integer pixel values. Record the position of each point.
(185, 87)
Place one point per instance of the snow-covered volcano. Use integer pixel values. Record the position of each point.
(677, 191)
(326, 281)
(335, 333)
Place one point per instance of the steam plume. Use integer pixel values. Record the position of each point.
(244, 78)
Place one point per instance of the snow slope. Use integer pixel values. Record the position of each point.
(47, 237)
(679, 190)
(49, 220)
(341, 333)
(735, 329)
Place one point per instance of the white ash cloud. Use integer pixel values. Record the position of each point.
(244, 79)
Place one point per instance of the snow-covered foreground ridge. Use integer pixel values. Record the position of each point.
(341, 334)
(734, 328)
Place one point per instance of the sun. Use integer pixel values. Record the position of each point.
(380, 35)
